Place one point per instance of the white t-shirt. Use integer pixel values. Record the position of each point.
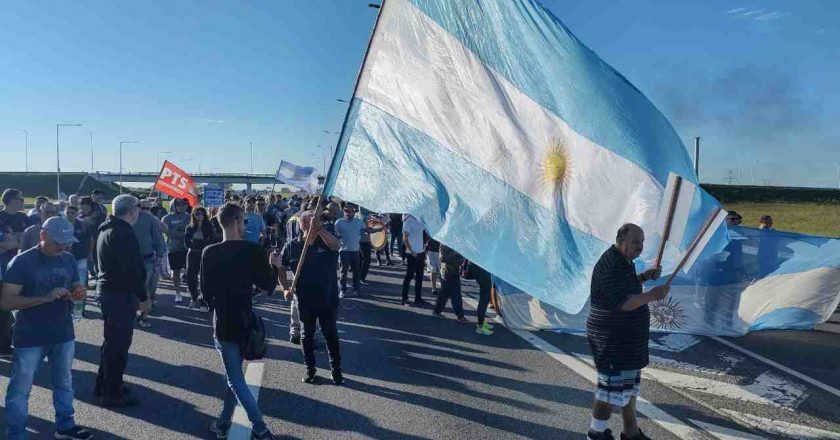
(414, 230)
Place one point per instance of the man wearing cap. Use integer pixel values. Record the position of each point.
(122, 287)
(38, 284)
(176, 226)
(31, 236)
(349, 230)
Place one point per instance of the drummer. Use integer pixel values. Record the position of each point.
(349, 230)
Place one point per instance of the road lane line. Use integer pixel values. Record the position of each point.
(788, 370)
(240, 428)
(660, 417)
(779, 427)
(725, 433)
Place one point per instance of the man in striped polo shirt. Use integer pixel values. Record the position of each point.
(618, 330)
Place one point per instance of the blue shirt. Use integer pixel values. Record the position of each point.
(254, 225)
(350, 233)
(39, 274)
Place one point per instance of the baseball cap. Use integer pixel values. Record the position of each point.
(59, 230)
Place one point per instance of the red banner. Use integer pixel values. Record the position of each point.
(176, 183)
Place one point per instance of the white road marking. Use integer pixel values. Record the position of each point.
(792, 372)
(779, 427)
(671, 363)
(725, 433)
(765, 390)
(673, 342)
(240, 426)
(660, 417)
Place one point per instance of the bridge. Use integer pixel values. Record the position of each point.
(247, 179)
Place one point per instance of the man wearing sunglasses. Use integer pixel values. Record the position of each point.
(349, 230)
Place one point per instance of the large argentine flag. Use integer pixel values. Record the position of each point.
(509, 139)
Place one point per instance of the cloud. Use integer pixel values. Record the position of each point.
(820, 31)
(749, 102)
(215, 121)
(770, 16)
(760, 15)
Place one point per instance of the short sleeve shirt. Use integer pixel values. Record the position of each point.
(254, 227)
(317, 285)
(18, 222)
(176, 228)
(414, 229)
(349, 232)
(39, 274)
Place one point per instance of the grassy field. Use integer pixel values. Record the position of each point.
(807, 218)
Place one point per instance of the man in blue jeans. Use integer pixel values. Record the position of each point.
(229, 270)
(38, 283)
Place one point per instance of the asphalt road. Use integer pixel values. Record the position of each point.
(413, 376)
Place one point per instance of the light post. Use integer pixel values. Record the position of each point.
(121, 173)
(58, 160)
(325, 156)
(91, 151)
(252, 158)
(159, 163)
(26, 165)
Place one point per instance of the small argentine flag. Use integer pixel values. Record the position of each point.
(510, 140)
(304, 178)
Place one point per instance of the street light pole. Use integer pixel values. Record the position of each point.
(26, 165)
(158, 157)
(91, 151)
(252, 158)
(58, 160)
(121, 173)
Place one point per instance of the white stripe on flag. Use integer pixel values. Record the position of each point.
(496, 126)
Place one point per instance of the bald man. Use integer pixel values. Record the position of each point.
(618, 330)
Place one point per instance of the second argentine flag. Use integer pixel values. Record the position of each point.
(508, 138)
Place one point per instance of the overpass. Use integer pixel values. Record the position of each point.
(247, 179)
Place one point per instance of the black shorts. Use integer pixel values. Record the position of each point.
(178, 260)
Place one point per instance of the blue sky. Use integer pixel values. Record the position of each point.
(756, 79)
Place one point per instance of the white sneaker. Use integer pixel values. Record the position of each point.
(177, 297)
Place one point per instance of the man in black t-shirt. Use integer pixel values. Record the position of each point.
(618, 329)
(316, 290)
(229, 270)
(15, 223)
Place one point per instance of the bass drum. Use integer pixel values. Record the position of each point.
(378, 239)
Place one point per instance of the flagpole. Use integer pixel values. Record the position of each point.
(336, 160)
(672, 206)
(275, 177)
(709, 222)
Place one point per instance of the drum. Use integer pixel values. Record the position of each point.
(378, 239)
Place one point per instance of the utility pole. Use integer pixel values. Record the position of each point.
(26, 165)
(91, 151)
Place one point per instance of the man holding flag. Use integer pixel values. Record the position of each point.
(618, 331)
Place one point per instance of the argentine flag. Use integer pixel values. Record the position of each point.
(510, 141)
(297, 176)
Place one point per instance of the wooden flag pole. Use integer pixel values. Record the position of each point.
(672, 207)
(694, 244)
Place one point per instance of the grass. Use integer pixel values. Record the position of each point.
(806, 218)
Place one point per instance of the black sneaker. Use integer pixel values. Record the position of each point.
(295, 340)
(421, 303)
(640, 436)
(74, 433)
(267, 435)
(221, 431)
(124, 401)
(337, 377)
(606, 435)
(97, 390)
(310, 377)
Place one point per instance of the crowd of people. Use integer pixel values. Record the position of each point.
(246, 248)
(228, 255)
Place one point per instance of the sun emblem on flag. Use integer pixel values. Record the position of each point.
(667, 314)
(556, 166)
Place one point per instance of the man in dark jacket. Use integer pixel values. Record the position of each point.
(121, 285)
(618, 329)
(450, 284)
(316, 290)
